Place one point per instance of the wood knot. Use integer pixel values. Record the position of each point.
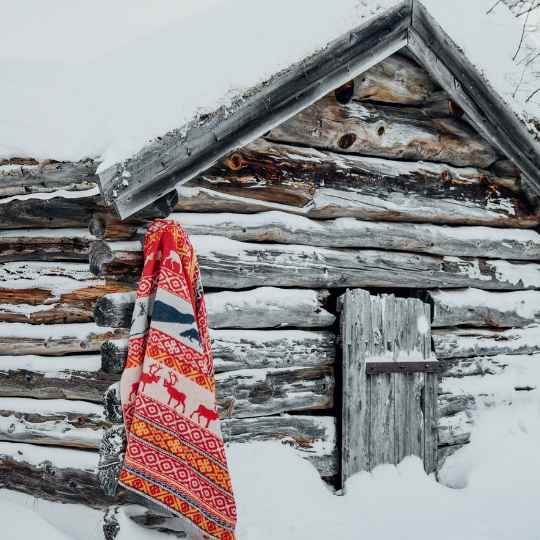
(380, 131)
(234, 162)
(347, 140)
(344, 93)
(455, 109)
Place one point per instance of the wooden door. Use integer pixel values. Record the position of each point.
(389, 402)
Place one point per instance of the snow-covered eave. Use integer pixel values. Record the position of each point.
(181, 154)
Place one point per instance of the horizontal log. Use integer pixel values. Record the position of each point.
(394, 80)
(450, 404)
(238, 265)
(51, 292)
(326, 184)
(474, 307)
(55, 422)
(251, 393)
(480, 365)
(73, 377)
(265, 307)
(283, 228)
(44, 244)
(464, 343)
(68, 208)
(31, 176)
(59, 339)
(64, 475)
(251, 349)
(385, 131)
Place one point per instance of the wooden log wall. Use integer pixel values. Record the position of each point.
(381, 185)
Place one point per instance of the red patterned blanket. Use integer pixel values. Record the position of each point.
(175, 454)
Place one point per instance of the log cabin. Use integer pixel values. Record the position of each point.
(367, 227)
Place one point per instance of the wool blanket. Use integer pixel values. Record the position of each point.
(175, 454)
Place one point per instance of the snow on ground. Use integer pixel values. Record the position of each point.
(489, 492)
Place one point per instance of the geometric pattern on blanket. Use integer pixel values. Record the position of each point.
(175, 454)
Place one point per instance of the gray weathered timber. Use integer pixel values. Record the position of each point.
(385, 416)
(111, 457)
(394, 80)
(238, 265)
(45, 245)
(480, 365)
(283, 228)
(250, 349)
(450, 404)
(495, 120)
(50, 292)
(464, 343)
(65, 475)
(180, 155)
(384, 131)
(252, 393)
(20, 338)
(74, 377)
(263, 392)
(409, 437)
(473, 307)
(264, 307)
(54, 422)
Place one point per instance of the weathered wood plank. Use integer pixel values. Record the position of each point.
(431, 421)
(55, 422)
(326, 184)
(408, 424)
(51, 292)
(250, 349)
(455, 429)
(73, 377)
(238, 265)
(384, 131)
(480, 365)
(23, 338)
(283, 228)
(464, 343)
(382, 426)
(474, 307)
(265, 307)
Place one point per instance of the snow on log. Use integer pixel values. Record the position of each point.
(250, 393)
(55, 422)
(231, 264)
(466, 342)
(327, 184)
(44, 244)
(265, 307)
(384, 131)
(50, 292)
(250, 349)
(73, 377)
(455, 429)
(30, 176)
(280, 227)
(474, 307)
(54, 339)
(65, 475)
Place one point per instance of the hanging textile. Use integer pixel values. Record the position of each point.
(175, 454)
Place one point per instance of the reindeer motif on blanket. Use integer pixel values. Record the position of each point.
(150, 377)
(209, 414)
(174, 393)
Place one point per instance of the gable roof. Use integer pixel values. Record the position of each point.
(181, 154)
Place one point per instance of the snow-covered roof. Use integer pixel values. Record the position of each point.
(144, 73)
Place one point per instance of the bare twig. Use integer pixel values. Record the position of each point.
(523, 29)
(532, 95)
(493, 7)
